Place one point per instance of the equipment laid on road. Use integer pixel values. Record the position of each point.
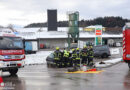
(126, 43)
(93, 70)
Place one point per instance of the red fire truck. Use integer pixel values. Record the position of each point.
(11, 52)
(126, 43)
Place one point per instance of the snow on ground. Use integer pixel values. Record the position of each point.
(114, 50)
(38, 58)
(108, 62)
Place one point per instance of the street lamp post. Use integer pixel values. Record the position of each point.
(40, 30)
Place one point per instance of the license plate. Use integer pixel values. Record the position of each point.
(17, 57)
(13, 65)
(12, 62)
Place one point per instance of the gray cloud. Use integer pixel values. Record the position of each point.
(88, 8)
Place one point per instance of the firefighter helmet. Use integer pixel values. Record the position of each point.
(77, 48)
(85, 46)
(73, 49)
(91, 46)
(57, 48)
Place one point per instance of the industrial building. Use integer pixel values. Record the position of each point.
(51, 39)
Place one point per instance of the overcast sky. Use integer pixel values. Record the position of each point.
(23, 12)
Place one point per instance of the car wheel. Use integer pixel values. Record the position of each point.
(48, 65)
(13, 71)
(129, 65)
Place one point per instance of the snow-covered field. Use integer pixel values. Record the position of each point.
(38, 58)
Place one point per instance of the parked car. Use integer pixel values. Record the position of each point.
(101, 51)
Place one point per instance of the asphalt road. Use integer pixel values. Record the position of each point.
(39, 77)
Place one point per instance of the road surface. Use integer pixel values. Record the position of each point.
(39, 77)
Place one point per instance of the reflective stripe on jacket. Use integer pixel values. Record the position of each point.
(57, 55)
(78, 55)
(66, 54)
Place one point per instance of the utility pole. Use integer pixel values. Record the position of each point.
(40, 30)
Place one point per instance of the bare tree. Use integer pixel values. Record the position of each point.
(11, 27)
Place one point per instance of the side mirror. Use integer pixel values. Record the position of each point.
(24, 43)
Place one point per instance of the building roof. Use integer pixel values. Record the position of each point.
(34, 33)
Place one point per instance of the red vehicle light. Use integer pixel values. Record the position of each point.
(19, 64)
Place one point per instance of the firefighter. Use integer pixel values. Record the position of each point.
(62, 59)
(78, 55)
(57, 57)
(65, 58)
(73, 57)
(73, 61)
(69, 59)
(90, 56)
(84, 55)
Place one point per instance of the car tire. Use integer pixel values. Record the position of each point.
(104, 55)
(129, 65)
(48, 65)
(13, 71)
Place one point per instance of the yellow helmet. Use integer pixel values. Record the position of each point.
(91, 46)
(57, 48)
(85, 46)
(77, 48)
(72, 49)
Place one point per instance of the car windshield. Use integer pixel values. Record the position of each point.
(100, 47)
(8, 43)
(51, 55)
